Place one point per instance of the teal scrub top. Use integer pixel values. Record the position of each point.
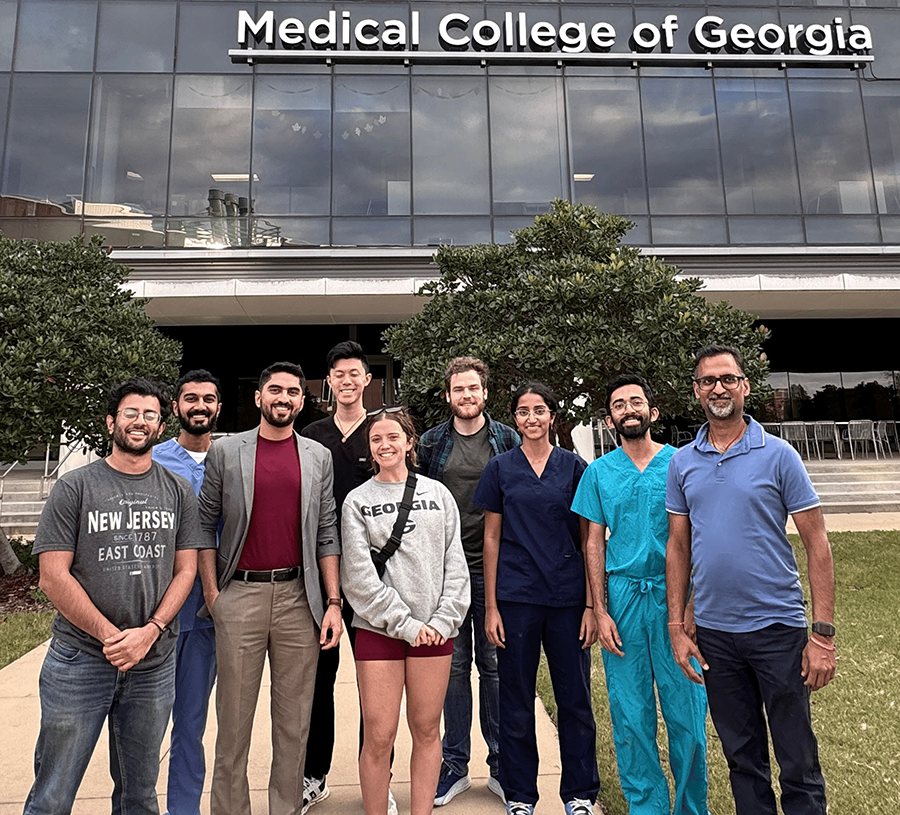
(632, 504)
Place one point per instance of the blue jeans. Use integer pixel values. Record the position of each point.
(78, 693)
(457, 745)
(750, 672)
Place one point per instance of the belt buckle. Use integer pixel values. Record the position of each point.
(272, 576)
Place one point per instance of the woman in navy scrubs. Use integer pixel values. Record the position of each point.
(536, 593)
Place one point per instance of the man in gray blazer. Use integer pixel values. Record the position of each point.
(273, 491)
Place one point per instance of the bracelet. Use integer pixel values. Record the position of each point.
(155, 622)
(335, 601)
(822, 644)
(674, 625)
(590, 607)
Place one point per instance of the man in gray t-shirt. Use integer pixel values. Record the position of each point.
(456, 453)
(117, 544)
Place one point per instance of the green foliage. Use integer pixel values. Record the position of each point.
(567, 303)
(69, 329)
(22, 549)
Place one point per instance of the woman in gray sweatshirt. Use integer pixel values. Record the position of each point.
(405, 620)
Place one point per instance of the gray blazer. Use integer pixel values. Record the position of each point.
(227, 492)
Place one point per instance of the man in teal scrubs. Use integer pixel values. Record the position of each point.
(625, 491)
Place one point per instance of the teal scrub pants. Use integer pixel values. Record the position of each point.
(638, 607)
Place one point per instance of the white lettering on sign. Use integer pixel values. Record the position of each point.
(521, 35)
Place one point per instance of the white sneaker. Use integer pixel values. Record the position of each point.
(392, 803)
(314, 791)
(494, 787)
(579, 806)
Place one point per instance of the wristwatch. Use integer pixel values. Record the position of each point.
(335, 601)
(823, 629)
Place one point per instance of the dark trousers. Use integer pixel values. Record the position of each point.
(320, 746)
(749, 673)
(527, 628)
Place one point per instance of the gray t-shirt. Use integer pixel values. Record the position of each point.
(465, 464)
(124, 530)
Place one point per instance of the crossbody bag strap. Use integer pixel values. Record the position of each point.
(402, 516)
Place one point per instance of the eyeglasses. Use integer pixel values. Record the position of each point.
(379, 411)
(621, 405)
(538, 412)
(729, 381)
(150, 416)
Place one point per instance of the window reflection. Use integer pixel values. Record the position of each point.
(210, 164)
(129, 144)
(136, 36)
(815, 396)
(869, 394)
(450, 146)
(457, 231)
(205, 33)
(371, 146)
(56, 35)
(529, 163)
(682, 146)
(128, 233)
(828, 121)
(370, 232)
(607, 150)
(46, 143)
(882, 104)
(8, 10)
(760, 170)
(291, 145)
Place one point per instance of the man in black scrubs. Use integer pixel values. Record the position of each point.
(344, 433)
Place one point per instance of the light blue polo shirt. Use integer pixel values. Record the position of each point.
(631, 503)
(745, 572)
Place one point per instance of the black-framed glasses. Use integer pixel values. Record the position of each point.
(150, 416)
(729, 381)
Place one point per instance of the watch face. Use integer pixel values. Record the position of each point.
(825, 629)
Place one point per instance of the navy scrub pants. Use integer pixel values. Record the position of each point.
(747, 673)
(527, 628)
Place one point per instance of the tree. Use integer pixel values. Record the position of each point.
(568, 304)
(69, 329)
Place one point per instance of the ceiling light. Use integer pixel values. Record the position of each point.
(133, 175)
(233, 177)
(584, 176)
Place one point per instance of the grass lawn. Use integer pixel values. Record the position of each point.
(21, 632)
(856, 718)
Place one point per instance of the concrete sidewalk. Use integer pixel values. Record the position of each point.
(20, 718)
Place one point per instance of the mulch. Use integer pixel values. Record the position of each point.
(20, 593)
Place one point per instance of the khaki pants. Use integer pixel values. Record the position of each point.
(253, 620)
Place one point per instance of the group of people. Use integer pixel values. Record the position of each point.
(476, 541)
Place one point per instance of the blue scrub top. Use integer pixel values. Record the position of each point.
(615, 493)
(174, 457)
(540, 545)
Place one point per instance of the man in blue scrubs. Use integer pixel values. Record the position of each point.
(728, 495)
(624, 491)
(196, 405)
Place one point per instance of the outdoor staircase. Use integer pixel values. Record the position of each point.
(863, 485)
(21, 502)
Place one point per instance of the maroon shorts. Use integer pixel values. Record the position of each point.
(372, 647)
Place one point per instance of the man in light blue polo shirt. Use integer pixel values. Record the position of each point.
(728, 496)
(625, 491)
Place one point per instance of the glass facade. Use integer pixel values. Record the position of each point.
(128, 119)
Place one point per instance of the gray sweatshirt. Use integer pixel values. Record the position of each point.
(426, 580)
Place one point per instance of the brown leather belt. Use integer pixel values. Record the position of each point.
(270, 576)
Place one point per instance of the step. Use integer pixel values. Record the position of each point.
(863, 487)
(847, 463)
(858, 476)
(834, 507)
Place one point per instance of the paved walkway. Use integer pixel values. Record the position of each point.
(20, 716)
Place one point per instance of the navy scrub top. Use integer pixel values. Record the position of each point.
(540, 561)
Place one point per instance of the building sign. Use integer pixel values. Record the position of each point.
(518, 36)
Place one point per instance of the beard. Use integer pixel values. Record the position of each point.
(632, 431)
(721, 409)
(468, 411)
(197, 429)
(128, 445)
(268, 412)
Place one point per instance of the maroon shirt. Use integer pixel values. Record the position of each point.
(274, 537)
